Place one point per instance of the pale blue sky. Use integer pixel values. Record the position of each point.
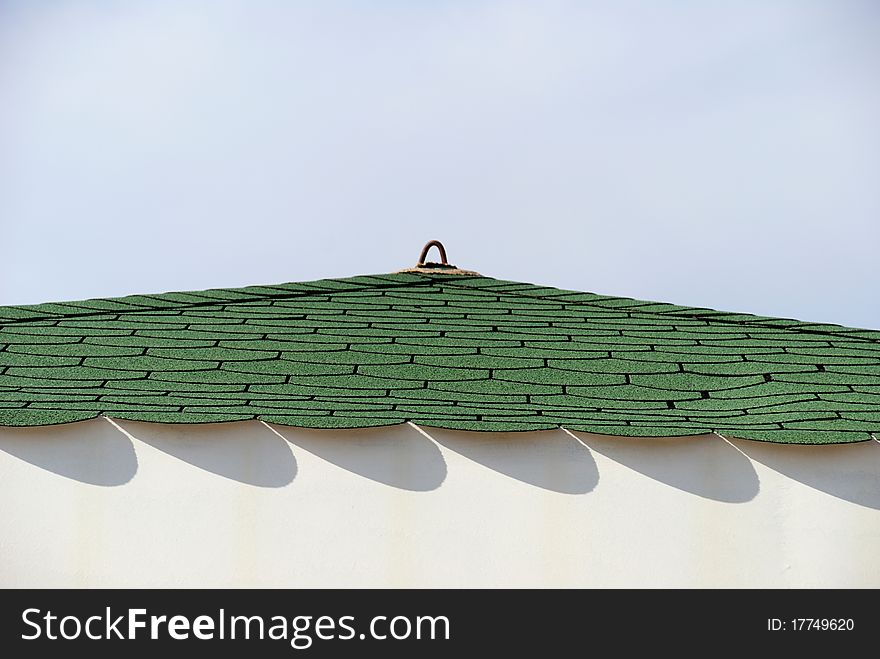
(705, 153)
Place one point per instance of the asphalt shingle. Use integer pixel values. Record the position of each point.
(450, 351)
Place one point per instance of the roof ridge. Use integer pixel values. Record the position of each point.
(180, 305)
(846, 331)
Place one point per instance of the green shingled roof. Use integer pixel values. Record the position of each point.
(441, 350)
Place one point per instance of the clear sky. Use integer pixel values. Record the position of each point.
(720, 154)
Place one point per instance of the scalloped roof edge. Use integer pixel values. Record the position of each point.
(767, 437)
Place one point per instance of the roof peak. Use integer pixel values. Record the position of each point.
(432, 267)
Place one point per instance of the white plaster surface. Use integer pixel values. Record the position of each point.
(245, 504)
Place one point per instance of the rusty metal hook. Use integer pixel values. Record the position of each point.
(432, 243)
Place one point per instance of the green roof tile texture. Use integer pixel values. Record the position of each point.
(450, 351)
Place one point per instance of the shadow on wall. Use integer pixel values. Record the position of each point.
(398, 456)
(705, 465)
(97, 453)
(247, 452)
(92, 452)
(846, 471)
(550, 459)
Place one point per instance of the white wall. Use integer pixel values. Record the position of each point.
(245, 505)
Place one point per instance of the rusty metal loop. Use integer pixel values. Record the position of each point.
(426, 249)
